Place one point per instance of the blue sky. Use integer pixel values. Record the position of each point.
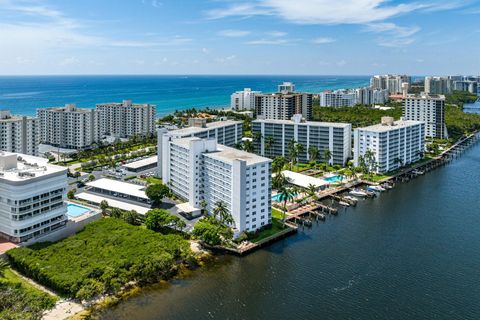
(239, 37)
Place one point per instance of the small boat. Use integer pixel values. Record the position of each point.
(343, 203)
(350, 198)
(375, 188)
(388, 186)
(418, 172)
(358, 193)
(321, 216)
(371, 194)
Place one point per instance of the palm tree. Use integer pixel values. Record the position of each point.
(294, 150)
(286, 195)
(269, 142)
(312, 190)
(248, 145)
(203, 206)
(327, 155)
(278, 164)
(220, 210)
(104, 206)
(313, 153)
(3, 266)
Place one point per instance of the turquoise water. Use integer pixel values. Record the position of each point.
(23, 95)
(334, 179)
(278, 196)
(75, 211)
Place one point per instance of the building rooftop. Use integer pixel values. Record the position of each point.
(124, 103)
(20, 167)
(396, 125)
(119, 187)
(229, 155)
(426, 96)
(185, 132)
(311, 123)
(141, 163)
(67, 108)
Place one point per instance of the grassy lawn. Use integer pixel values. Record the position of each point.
(102, 258)
(20, 300)
(276, 227)
(154, 180)
(277, 214)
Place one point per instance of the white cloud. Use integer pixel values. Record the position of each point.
(268, 42)
(226, 60)
(323, 40)
(395, 43)
(278, 34)
(395, 36)
(156, 3)
(234, 33)
(328, 11)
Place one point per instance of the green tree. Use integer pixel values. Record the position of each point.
(131, 217)
(91, 177)
(156, 192)
(104, 206)
(312, 190)
(278, 163)
(327, 156)
(116, 213)
(294, 149)
(313, 153)
(220, 210)
(71, 194)
(247, 145)
(286, 194)
(269, 143)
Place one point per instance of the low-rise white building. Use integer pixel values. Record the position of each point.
(243, 100)
(277, 134)
(199, 170)
(32, 197)
(393, 143)
(19, 133)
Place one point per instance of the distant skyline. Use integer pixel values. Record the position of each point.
(307, 37)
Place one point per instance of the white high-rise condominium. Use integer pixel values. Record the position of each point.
(392, 83)
(277, 134)
(201, 171)
(32, 194)
(393, 143)
(243, 100)
(367, 96)
(338, 98)
(19, 133)
(126, 119)
(438, 85)
(284, 104)
(227, 133)
(69, 126)
(429, 109)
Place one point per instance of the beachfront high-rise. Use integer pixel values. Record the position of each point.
(338, 98)
(126, 119)
(393, 143)
(284, 104)
(243, 100)
(438, 85)
(275, 136)
(429, 109)
(202, 171)
(228, 133)
(19, 133)
(392, 83)
(69, 127)
(32, 194)
(368, 96)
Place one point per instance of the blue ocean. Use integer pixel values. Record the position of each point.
(24, 94)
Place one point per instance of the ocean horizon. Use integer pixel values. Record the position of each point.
(24, 94)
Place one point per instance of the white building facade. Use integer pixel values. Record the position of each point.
(243, 100)
(393, 143)
(199, 170)
(32, 195)
(338, 98)
(438, 85)
(429, 109)
(392, 83)
(69, 127)
(19, 134)
(277, 134)
(126, 119)
(369, 96)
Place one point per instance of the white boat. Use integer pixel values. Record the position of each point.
(343, 203)
(351, 198)
(375, 188)
(358, 193)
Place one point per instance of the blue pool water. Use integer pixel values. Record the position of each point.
(278, 196)
(333, 179)
(74, 210)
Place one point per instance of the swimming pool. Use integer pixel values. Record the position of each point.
(333, 179)
(278, 196)
(75, 211)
